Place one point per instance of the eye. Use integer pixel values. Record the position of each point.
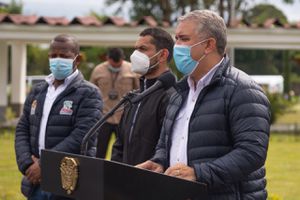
(182, 39)
(142, 49)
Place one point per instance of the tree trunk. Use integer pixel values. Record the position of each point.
(221, 8)
(166, 10)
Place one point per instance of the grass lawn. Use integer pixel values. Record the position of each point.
(9, 175)
(283, 168)
(291, 116)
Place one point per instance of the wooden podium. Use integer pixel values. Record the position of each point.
(99, 179)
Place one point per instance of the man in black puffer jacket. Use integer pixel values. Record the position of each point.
(141, 123)
(216, 129)
(57, 115)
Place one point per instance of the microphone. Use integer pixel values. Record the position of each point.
(94, 129)
(165, 81)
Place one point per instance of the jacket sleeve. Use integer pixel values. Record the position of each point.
(22, 137)
(93, 76)
(248, 118)
(88, 113)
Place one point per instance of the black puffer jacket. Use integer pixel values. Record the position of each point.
(138, 135)
(228, 135)
(65, 130)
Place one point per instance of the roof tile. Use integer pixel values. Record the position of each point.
(86, 21)
(53, 21)
(118, 21)
(2, 16)
(146, 20)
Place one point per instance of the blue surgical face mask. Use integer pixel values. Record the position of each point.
(61, 68)
(183, 60)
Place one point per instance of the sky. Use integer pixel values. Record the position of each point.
(72, 8)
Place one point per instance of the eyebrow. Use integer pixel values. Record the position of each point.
(181, 35)
(142, 46)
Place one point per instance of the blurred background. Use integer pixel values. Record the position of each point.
(273, 63)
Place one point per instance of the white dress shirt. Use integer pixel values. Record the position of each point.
(51, 95)
(178, 151)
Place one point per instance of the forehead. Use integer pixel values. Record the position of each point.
(145, 41)
(186, 28)
(62, 47)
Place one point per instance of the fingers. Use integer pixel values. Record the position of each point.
(35, 159)
(175, 170)
(181, 171)
(149, 165)
(33, 173)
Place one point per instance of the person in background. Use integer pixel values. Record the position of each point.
(217, 126)
(57, 114)
(114, 78)
(141, 123)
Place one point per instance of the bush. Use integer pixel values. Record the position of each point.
(279, 104)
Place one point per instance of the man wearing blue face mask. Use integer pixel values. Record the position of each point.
(57, 114)
(141, 123)
(216, 129)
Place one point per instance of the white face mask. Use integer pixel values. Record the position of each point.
(140, 62)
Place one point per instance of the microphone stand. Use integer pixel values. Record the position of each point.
(92, 131)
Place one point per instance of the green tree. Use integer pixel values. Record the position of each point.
(169, 11)
(261, 12)
(259, 62)
(13, 8)
(37, 60)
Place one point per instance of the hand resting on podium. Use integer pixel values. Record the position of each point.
(179, 170)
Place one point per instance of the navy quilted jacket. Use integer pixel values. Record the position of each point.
(228, 135)
(65, 128)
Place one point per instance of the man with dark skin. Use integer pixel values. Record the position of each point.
(57, 114)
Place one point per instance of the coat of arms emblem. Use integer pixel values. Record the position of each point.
(69, 174)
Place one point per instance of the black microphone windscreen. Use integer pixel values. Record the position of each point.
(167, 80)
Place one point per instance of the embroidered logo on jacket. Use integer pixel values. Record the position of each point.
(67, 108)
(33, 107)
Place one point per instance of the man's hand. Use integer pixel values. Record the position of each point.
(33, 173)
(152, 166)
(181, 171)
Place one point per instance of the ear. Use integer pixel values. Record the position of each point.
(211, 45)
(164, 55)
(78, 59)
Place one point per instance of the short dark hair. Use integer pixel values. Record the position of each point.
(68, 39)
(116, 54)
(161, 39)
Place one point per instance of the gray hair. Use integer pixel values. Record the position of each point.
(210, 24)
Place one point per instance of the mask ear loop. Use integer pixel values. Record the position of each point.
(75, 63)
(201, 58)
(151, 67)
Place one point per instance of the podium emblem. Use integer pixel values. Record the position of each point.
(69, 174)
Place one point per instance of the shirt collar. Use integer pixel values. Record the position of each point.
(205, 80)
(50, 78)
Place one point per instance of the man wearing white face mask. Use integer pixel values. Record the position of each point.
(216, 129)
(114, 78)
(140, 125)
(57, 114)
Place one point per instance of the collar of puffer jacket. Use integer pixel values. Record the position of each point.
(182, 85)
